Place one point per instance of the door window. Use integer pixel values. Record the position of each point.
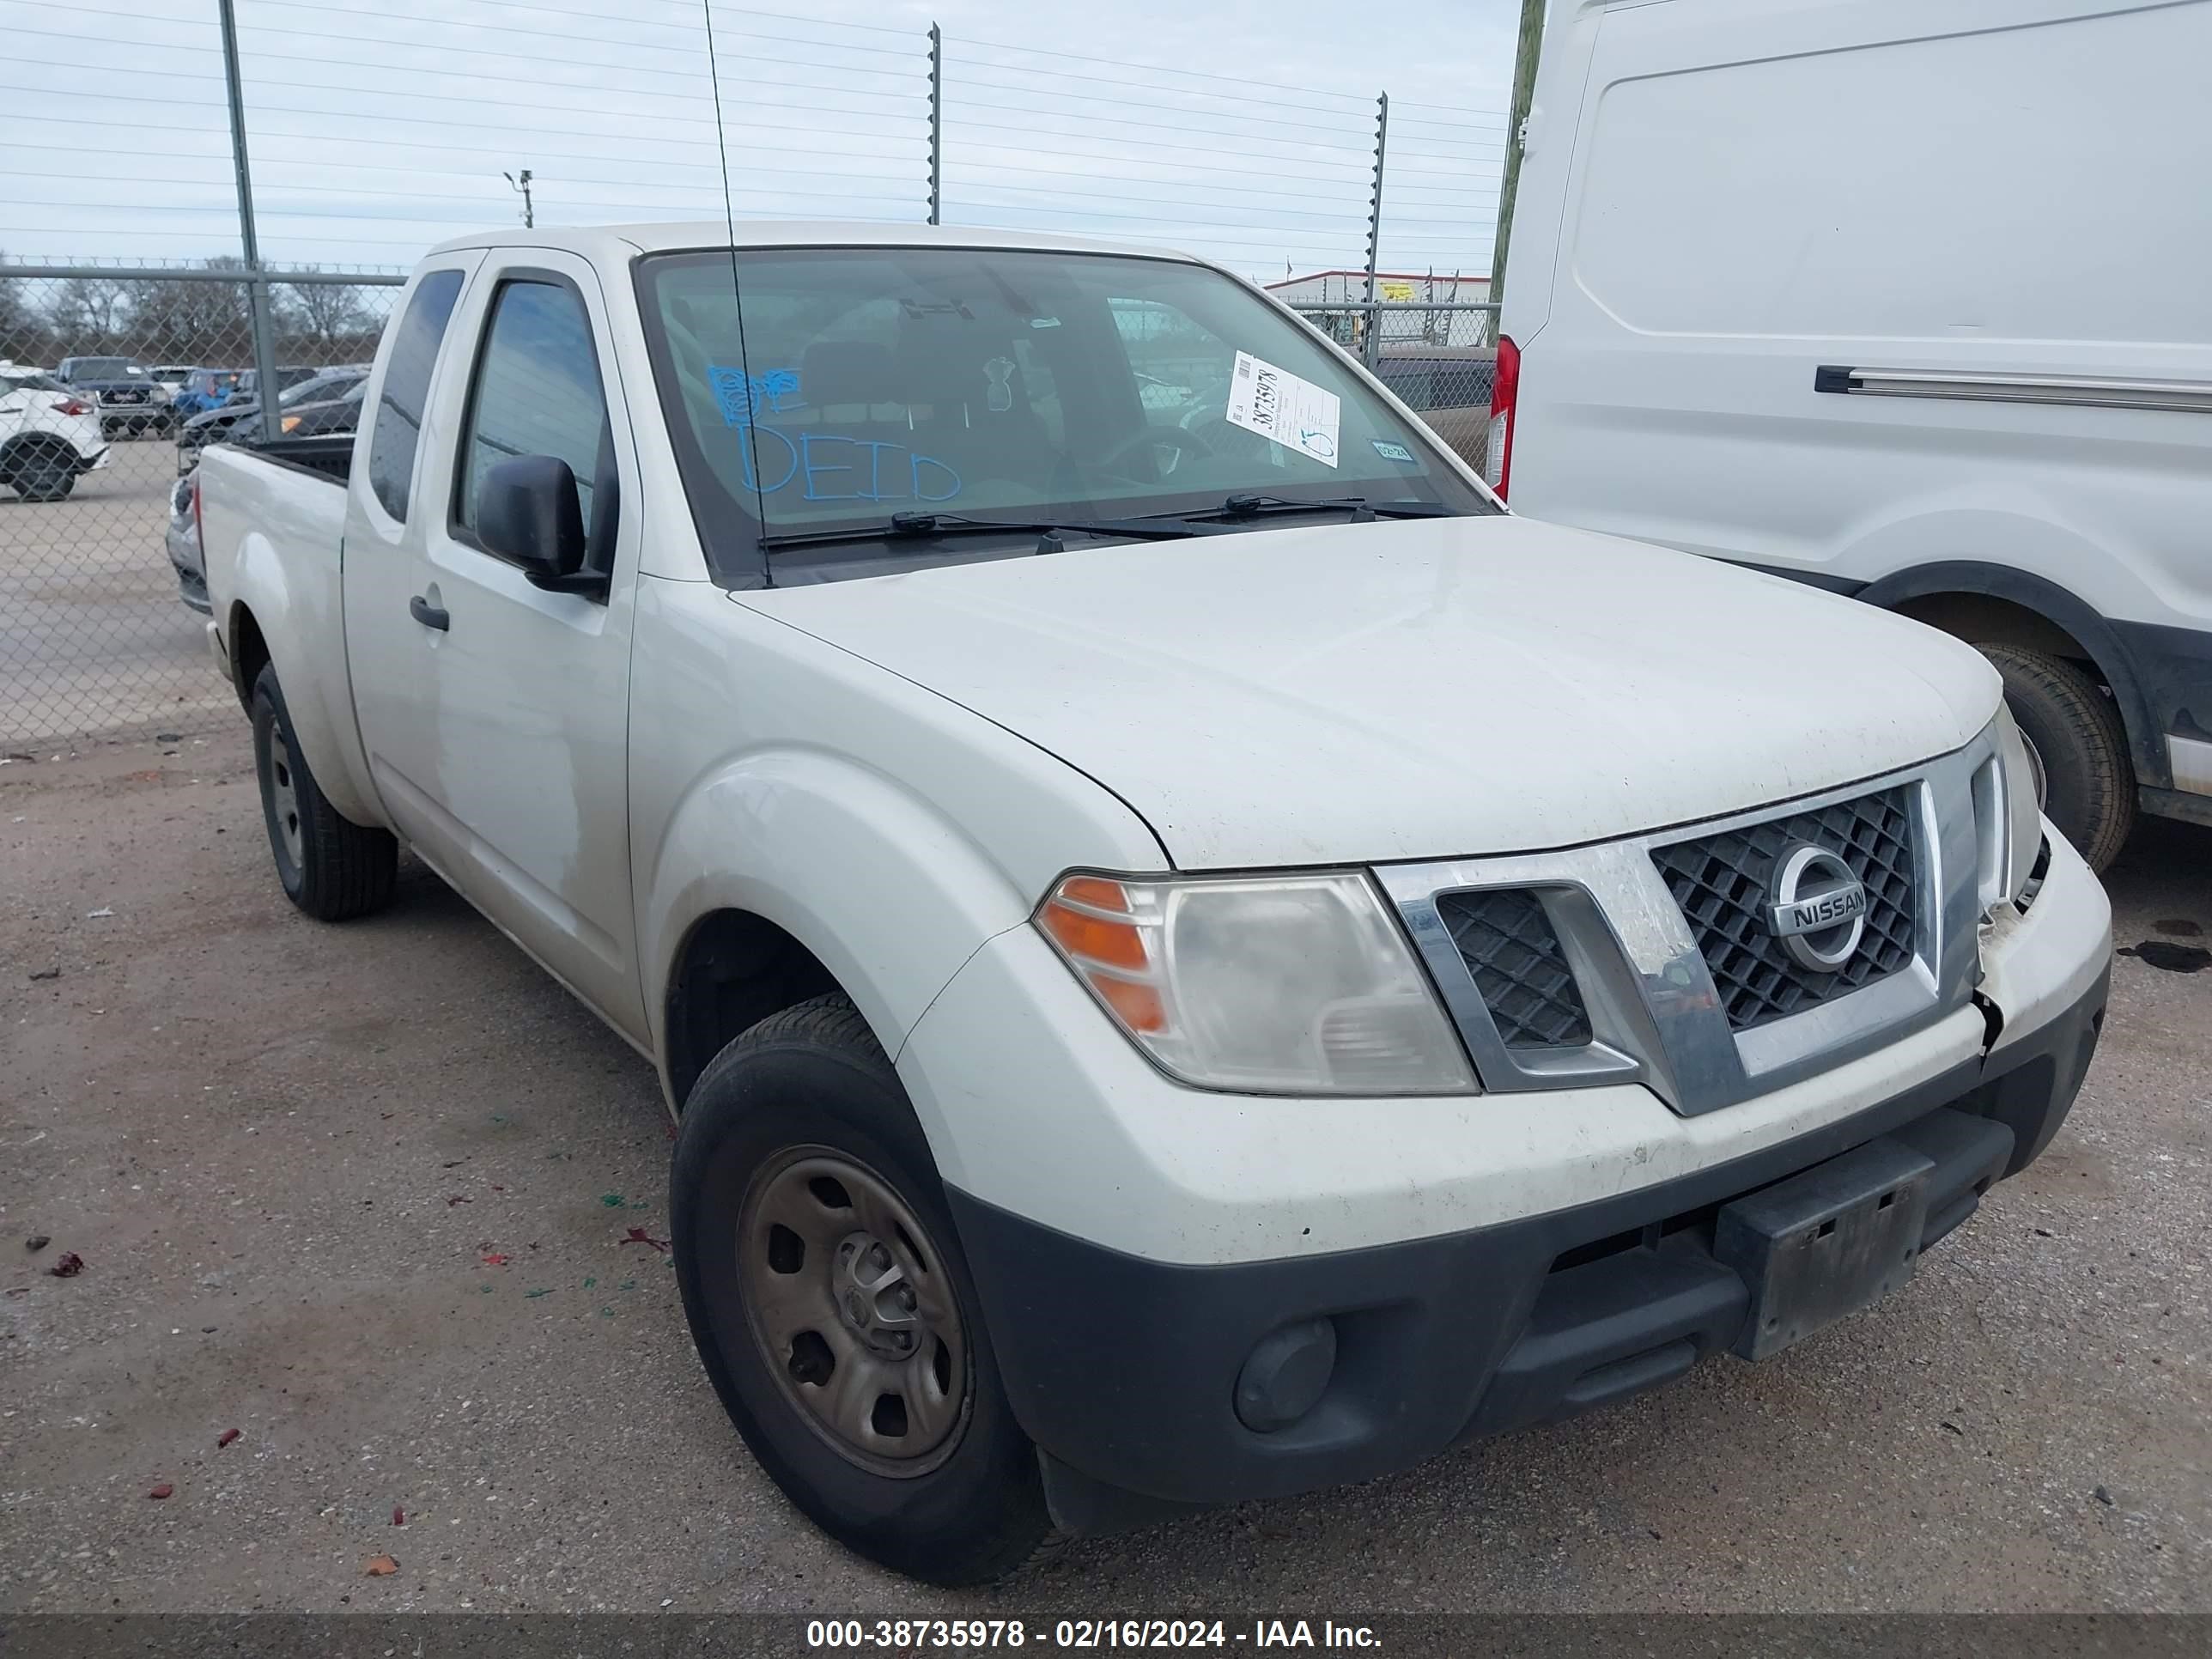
(537, 391)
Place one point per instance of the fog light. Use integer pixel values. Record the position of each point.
(1286, 1375)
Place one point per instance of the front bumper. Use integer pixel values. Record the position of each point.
(1124, 1371)
(1472, 1284)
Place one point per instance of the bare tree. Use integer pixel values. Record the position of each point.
(23, 336)
(192, 321)
(86, 314)
(328, 321)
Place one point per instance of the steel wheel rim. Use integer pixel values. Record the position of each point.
(283, 794)
(853, 1311)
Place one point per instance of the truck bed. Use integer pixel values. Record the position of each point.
(330, 456)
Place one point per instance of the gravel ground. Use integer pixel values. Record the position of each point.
(364, 1196)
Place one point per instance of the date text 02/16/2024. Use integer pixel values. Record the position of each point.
(1085, 1633)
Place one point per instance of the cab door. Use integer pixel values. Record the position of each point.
(520, 773)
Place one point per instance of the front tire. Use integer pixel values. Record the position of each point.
(331, 867)
(40, 470)
(826, 1289)
(2080, 744)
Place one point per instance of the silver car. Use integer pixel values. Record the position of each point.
(183, 542)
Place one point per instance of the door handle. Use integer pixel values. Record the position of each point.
(429, 615)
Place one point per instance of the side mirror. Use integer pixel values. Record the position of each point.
(527, 512)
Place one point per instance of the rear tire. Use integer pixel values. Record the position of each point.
(2076, 733)
(39, 469)
(331, 867)
(787, 1118)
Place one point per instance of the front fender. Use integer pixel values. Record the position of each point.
(889, 894)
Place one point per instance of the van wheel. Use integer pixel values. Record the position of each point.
(331, 867)
(39, 469)
(2078, 745)
(832, 1308)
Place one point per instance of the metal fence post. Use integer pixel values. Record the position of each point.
(936, 118)
(257, 281)
(1371, 346)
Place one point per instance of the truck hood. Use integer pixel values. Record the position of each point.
(1415, 689)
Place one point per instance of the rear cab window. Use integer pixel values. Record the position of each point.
(398, 428)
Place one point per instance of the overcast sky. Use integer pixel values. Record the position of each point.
(1243, 130)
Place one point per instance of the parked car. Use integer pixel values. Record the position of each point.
(242, 409)
(50, 434)
(1449, 387)
(202, 389)
(1784, 291)
(182, 543)
(170, 375)
(131, 400)
(328, 416)
(1192, 961)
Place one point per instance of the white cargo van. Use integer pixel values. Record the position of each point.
(1910, 300)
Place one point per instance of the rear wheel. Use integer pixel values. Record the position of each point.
(331, 867)
(40, 469)
(833, 1310)
(2078, 746)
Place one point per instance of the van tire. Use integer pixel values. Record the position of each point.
(2076, 732)
(330, 866)
(968, 1508)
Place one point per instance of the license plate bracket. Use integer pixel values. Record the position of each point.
(1825, 1242)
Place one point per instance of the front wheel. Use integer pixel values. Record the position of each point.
(40, 470)
(332, 867)
(2078, 745)
(832, 1308)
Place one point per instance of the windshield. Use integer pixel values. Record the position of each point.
(987, 383)
(103, 368)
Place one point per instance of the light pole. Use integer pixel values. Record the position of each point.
(521, 182)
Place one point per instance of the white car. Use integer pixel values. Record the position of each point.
(1791, 286)
(49, 435)
(1194, 958)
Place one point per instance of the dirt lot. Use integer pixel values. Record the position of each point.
(367, 1196)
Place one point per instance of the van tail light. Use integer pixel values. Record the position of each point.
(1504, 391)
(71, 406)
(199, 529)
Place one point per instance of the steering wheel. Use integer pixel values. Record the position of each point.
(1168, 445)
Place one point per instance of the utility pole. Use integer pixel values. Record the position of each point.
(257, 288)
(521, 182)
(1530, 50)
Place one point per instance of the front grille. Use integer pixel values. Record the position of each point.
(1721, 882)
(1510, 948)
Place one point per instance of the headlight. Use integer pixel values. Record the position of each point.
(2008, 803)
(1276, 985)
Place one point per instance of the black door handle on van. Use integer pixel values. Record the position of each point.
(429, 615)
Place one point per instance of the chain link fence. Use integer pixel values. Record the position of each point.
(110, 380)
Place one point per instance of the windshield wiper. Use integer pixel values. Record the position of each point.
(1362, 510)
(900, 526)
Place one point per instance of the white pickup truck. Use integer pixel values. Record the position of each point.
(1195, 956)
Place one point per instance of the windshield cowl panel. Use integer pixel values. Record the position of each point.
(856, 386)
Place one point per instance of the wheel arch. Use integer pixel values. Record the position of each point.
(788, 873)
(1998, 605)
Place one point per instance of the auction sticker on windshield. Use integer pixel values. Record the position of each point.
(1276, 404)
